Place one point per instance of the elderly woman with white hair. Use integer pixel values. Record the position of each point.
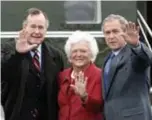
(80, 95)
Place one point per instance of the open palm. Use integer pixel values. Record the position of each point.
(132, 34)
(22, 45)
(80, 84)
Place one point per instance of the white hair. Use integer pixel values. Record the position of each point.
(78, 36)
(112, 17)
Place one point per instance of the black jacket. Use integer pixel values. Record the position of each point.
(15, 68)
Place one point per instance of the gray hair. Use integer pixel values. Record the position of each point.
(112, 17)
(78, 36)
(35, 11)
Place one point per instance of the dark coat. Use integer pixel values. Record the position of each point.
(15, 69)
(128, 92)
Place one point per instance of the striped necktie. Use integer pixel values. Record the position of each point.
(35, 60)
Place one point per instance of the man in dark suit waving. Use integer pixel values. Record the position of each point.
(126, 83)
(30, 66)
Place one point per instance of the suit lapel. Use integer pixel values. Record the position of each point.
(118, 61)
(104, 63)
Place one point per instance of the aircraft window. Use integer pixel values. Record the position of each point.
(82, 12)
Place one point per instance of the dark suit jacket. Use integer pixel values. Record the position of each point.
(15, 68)
(128, 91)
(70, 104)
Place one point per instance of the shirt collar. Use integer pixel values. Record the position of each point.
(38, 49)
(117, 51)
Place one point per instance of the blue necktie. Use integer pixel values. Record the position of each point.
(106, 73)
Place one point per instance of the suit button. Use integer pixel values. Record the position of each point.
(33, 114)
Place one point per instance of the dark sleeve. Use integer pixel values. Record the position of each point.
(60, 66)
(60, 55)
(62, 60)
(143, 56)
(10, 60)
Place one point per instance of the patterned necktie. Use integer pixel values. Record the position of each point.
(35, 60)
(106, 72)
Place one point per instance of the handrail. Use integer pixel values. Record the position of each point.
(144, 35)
(52, 34)
(144, 22)
(142, 30)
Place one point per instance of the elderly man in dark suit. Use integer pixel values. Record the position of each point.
(30, 66)
(126, 83)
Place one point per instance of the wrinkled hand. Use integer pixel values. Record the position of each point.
(132, 34)
(80, 85)
(22, 45)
